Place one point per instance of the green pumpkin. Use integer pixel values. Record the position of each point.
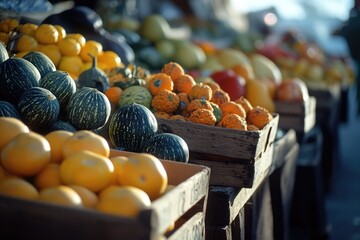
(136, 94)
(93, 77)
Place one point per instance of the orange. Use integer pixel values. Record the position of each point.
(113, 94)
(26, 43)
(26, 154)
(79, 37)
(69, 47)
(28, 29)
(110, 59)
(56, 140)
(88, 198)
(46, 34)
(71, 64)
(86, 140)
(53, 52)
(91, 47)
(48, 177)
(61, 30)
(123, 201)
(18, 187)
(144, 171)
(9, 129)
(87, 169)
(117, 161)
(62, 195)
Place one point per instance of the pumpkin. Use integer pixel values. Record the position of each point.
(163, 115)
(88, 109)
(244, 103)
(58, 125)
(184, 83)
(38, 108)
(203, 116)
(93, 77)
(233, 121)
(16, 76)
(8, 110)
(232, 107)
(41, 61)
(136, 94)
(259, 117)
(173, 69)
(168, 146)
(200, 91)
(220, 96)
(213, 85)
(4, 55)
(165, 101)
(117, 74)
(178, 117)
(183, 104)
(199, 104)
(160, 81)
(131, 126)
(61, 84)
(127, 76)
(216, 111)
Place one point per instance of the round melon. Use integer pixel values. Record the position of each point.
(8, 110)
(168, 146)
(61, 84)
(41, 61)
(88, 109)
(136, 94)
(16, 76)
(4, 55)
(38, 108)
(131, 127)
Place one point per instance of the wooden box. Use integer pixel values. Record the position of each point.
(234, 156)
(300, 116)
(184, 205)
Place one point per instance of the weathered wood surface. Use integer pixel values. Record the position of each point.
(225, 142)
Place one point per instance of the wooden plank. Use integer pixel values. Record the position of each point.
(237, 144)
(192, 229)
(281, 148)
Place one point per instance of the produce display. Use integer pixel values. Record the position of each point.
(75, 169)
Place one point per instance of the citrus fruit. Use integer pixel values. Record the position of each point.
(46, 34)
(88, 198)
(10, 128)
(53, 52)
(56, 140)
(124, 201)
(69, 47)
(110, 59)
(48, 177)
(144, 171)
(87, 169)
(71, 64)
(62, 195)
(26, 43)
(26, 154)
(61, 30)
(18, 187)
(86, 140)
(28, 29)
(91, 47)
(117, 161)
(79, 37)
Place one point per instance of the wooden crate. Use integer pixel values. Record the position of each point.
(300, 116)
(185, 205)
(234, 156)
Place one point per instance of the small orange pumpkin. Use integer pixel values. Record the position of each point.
(184, 103)
(234, 121)
(219, 97)
(213, 85)
(203, 116)
(173, 69)
(184, 83)
(199, 104)
(163, 115)
(178, 117)
(160, 81)
(200, 91)
(259, 117)
(232, 107)
(244, 103)
(165, 101)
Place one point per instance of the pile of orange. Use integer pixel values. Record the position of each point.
(68, 51)
(76, 169)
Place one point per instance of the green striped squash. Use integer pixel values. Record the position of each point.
(42, 62)
(4, 55)
(60, 125)
(61, 84)
(38, 108)
(8, 110)
(16, 76)
(168, 146)
(136, 94)
(131, 127)
(88, 109)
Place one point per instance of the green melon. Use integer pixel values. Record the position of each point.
(136, 94)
